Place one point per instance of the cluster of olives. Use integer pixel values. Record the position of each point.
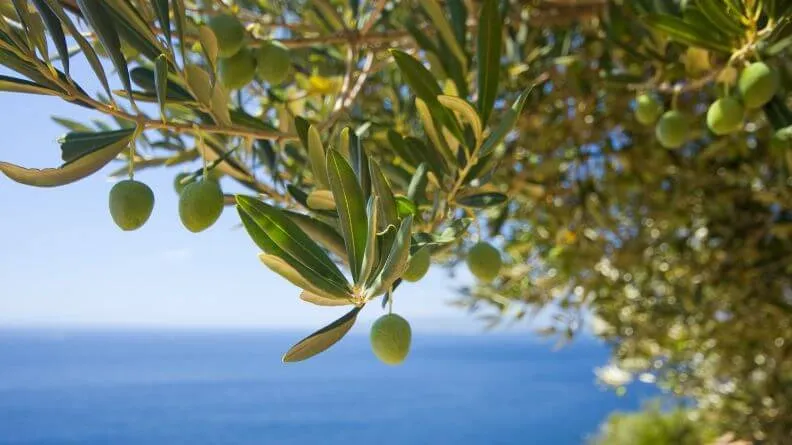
(391, 334)
(200, 203)
(238, 65)
(757, 85)
(483, 261)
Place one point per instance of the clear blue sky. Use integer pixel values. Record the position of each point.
(63, 261)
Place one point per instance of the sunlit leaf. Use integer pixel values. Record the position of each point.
(351, 208)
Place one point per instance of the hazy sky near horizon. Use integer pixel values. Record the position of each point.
(64, 262)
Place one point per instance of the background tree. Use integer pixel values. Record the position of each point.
(377, 136)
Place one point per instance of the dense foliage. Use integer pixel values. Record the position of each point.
(628, 159)
(653, 426)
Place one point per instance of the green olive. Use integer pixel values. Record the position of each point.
(238, 70)
(390, 339)
(647, 109)
(758, 84)
(131, 204)
(484, 261)
(200, 205)
(725, 116)
(672, 129)
(418, 266)
(274, 62)
(229, 32)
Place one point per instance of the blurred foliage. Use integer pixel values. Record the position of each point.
(653, 426)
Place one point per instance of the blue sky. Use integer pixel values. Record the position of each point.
(63, 261)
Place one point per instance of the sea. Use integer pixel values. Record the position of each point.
(229, 387)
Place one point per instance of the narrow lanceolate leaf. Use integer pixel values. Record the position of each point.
(77, 144)
(438, 17)
(82, 42)
(370, 257)
(351, 208)
(101, 22)
(482, 200)
(507, 122)
(78, 167)
(319, 300)
(396, 262)
(438, 141)
(162, 9)
(323, 233)
(300, 277)
(488, 52)
(425, 87)
(719, 16)
(322, 339)
(208, 44)
(290, 238)
(301, 125)
(467, 112)
(200, 83)
(55, 30)
(686, 33)
(161, 83)
(219, 105)
(420, 79)
(416, 191)
(316, 153)
(280, 262)
(359, 161)
(14, 85)
(32, 26)
(383, 191)
(180, 19)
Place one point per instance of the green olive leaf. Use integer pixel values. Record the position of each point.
(82, 42)
(384, 193)
(396, 262)
(14, 85)
(162, 9)
(482, 200)
(96, 14)
(416, 191)
(320, 300)
(161, 83)
(488, 53)
(316, 154)
(290, 238)
(370, 257)
(296, 273)
(507, 122)
(322, 339)
(55, 30)
(351, 208)
(321, 232)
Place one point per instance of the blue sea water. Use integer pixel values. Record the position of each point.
(174, 387)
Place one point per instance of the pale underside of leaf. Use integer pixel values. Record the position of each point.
(322, 339)
(70, 172)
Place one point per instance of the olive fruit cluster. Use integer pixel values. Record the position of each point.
(201, 203)
(757, 85)
(238, 65)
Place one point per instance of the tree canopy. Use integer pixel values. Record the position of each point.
(629, 160)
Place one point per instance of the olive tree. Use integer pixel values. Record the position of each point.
(623, 164)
